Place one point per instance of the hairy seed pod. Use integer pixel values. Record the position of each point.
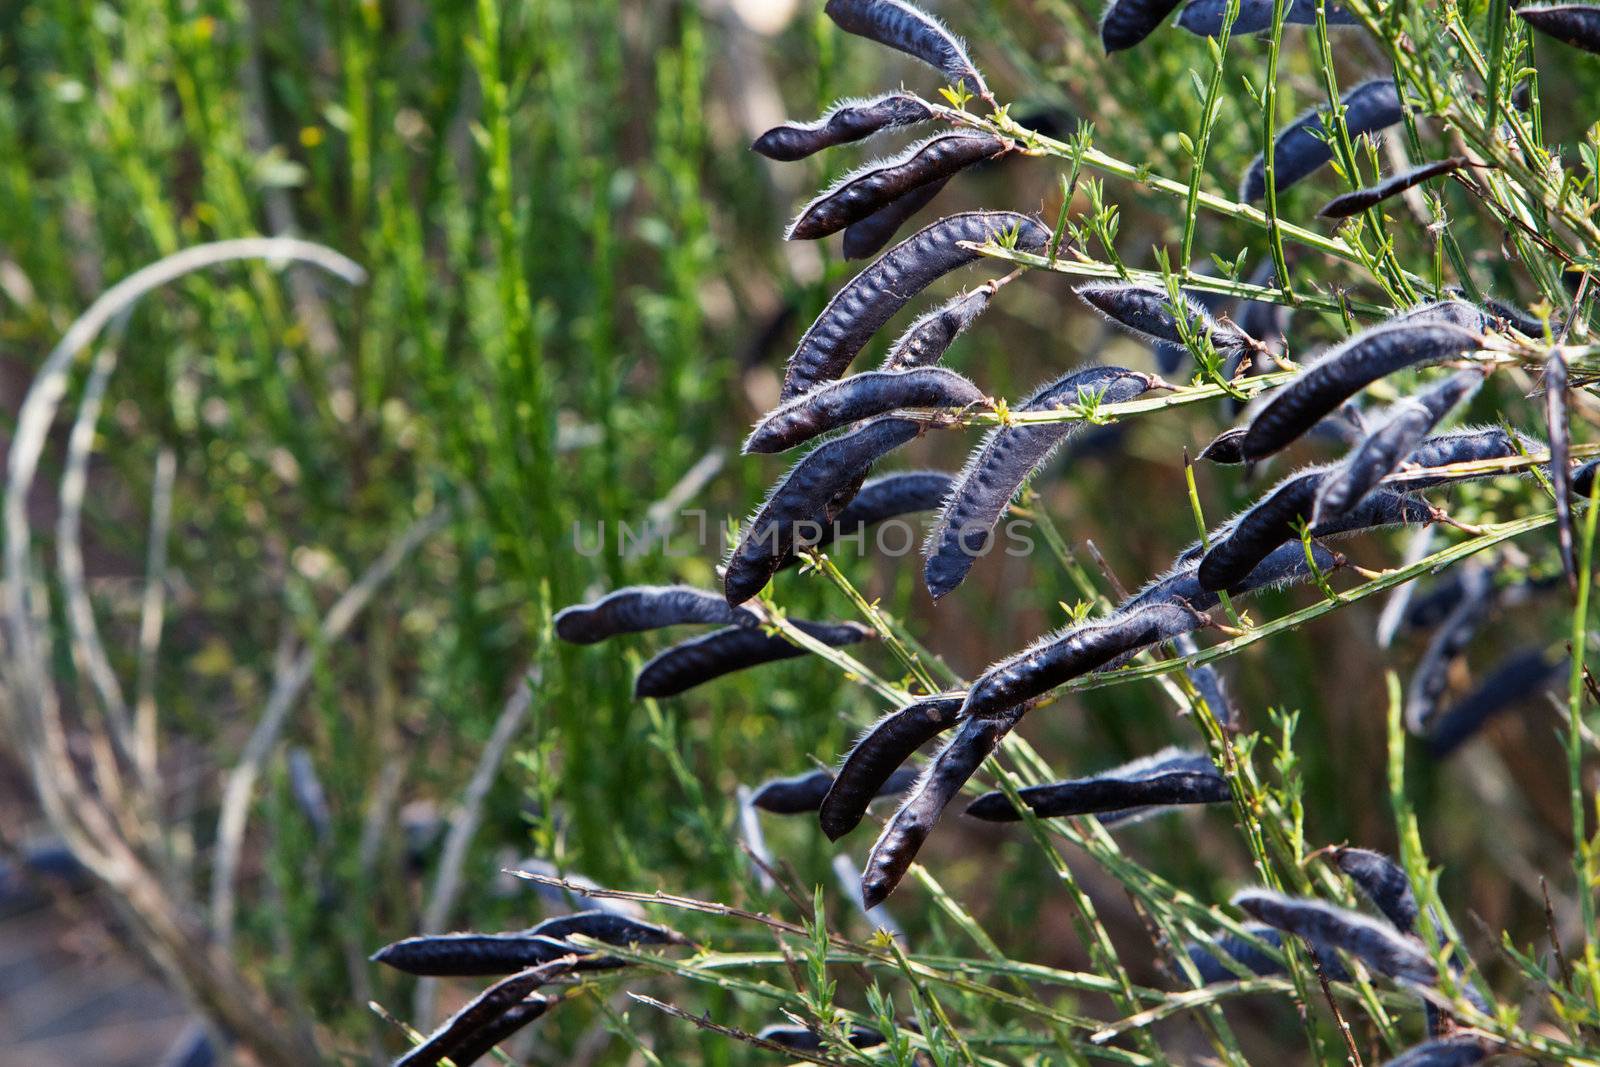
(683, 666)
(805, 1039)
(1300, 150)
(871, 298)
(885, 497)
(1066, 654)
(1352, 203)
(859, 396)
(876, 185)
(638, 608)
(1574, 24)
(1583, 480)
(609, 926)
(1383, 882)
(878, 755)
(1462, 1051)
(1555, 417)
(928, 338)
(1453, 311)
(461, 955)
(1226, 447)
(867, 237)
(813, 494)
(1379, 947)
(1207, 957)
(1284, 566)
(1432, 674)
(1171, 777)
(907, 28)
(1146, 311)
(805, 792)
(1207, 682)
(1467, 445)
(897, 846)
(1346, 370)
(1203, 18)
(482, 1013)
(1515, 679)
(998, 467)
(844, 122)
(1384, 448)
(482, 1041)
(1127, 22)
(1511, 315)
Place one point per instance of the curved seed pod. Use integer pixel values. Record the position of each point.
(683, 666)
(1299, 149)
(1127, 22)
(1376, 945)
(881, 498)
(999, 466)
(1432, 674)
(1146, 311)
(637, 608)
(925, 342)
(1352, 203)
(1066, 654)
(1207, 683)
(610, 927)
(1468, 445)
(805, 1039)
(859, 396)
(482, 1041)
(1203, 18)
(1226, 447)
(871, 298)
(462, 955)
(1284, 566)
(1207, 957)
(1383, 882)
(1574, 24)
(877, 755)
(1515, 679)
(1385, 447)
(805, 792)
(482, 1013)
(846, 121)
(907, 28)
(1515, 317)
(867, 237)
(1168, 778)
(876, 185)
(813, 493)
(895, 849)
(1345, 371)
(1583, 479)
(1555, 417)
(1462, 1051)
(1453, 311)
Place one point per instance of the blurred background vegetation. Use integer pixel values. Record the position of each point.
(577, 298)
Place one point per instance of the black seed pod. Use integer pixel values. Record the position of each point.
(1515, 317)
(1462, 1051)
(457, 955)
(1145, 310)
(907, 28)
(804, 1039)
(1203, 18)
(683, 666)
(1245, 541)
(1345, 371)
(1207, 682)
(483, 1040)
(1583, 479)
(881, 498)
(1207, 957)
(1383, 882)
(871, 298)
(1574, 24)
(610, 927)
(1284, 566)
(928, 338)
(1470, 445)
(638, 608)
(1387, 445)
(1342, 207)
(805, 792)
(897, 847)
(1375, 944)
(876, 757)
(465, 1029)
(1515, 679)
(846, 121)
(1226, 447)
(1066, 654)
(1453, 311)
(1127, 22)
(1555, 417)
(812, 494)
(1432, 675)
(867, 237)
(1300, 150)
(878, 184)
(1169, 778)
(999, 466)
(859, 396)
